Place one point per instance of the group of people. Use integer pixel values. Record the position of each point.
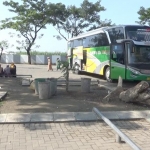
(50, 64)
(8, 71)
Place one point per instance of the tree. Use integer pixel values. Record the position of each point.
(3, 45)
(86, 17)
(65, 71)
(144, 16)
(31, 17)
(22, 44)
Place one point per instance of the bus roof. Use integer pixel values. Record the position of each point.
(92, 32)
(102, 30)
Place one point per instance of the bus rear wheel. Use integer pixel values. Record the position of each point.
(107, 74)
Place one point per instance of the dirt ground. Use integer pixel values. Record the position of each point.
(22, 99)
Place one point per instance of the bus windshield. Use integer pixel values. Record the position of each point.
(138, 33)
(139, 55)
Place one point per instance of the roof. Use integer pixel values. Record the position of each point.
(102, 30)
(92, 32)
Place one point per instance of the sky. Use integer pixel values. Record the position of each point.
(118, 11)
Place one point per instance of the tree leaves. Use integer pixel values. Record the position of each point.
(80, 19)
(30, 17)
(3, 45)
(144, 16)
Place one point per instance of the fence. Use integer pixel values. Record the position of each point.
(35, 59)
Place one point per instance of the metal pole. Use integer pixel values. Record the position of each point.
(122, 135)
(118, 138)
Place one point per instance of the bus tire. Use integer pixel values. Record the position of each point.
(107, 74)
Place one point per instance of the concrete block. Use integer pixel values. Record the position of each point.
(26, 82)
(64, 116)
(42, 117)
(85, 116)
(3, 118)
(18, 118)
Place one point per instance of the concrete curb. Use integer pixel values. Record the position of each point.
(71, 117)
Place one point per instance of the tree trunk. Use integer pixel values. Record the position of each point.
(137, 93)
(114, 95)
(29, 57)
(1, 54)
(67, 79)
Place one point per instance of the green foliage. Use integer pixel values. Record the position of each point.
(30, 17)
(85, 17)
(4, 44)
(65, 71)
(64, 64)
(144, 16)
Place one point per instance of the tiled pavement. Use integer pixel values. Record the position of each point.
(72, 136)
(54, 132)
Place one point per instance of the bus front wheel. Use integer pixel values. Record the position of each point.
(107, 74)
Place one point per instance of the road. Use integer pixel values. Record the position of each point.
(38, 71)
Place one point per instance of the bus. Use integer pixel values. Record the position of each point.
(122, 50)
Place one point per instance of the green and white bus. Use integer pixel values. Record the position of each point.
(122, 50)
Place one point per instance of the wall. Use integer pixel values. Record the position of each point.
(35, 59)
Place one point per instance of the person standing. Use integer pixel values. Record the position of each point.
(49, 64)
(58, 63)
(13, 70)
(7, 71)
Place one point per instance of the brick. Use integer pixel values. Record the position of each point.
(74, 135)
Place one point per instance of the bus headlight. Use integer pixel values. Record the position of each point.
(134, 72)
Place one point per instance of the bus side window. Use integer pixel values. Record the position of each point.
(118, 54)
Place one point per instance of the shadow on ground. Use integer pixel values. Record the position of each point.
(21, 99)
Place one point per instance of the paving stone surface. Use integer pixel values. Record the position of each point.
(72, 136)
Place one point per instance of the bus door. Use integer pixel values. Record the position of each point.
(130, 57)
(117, 61)
(83, 61)
(78, 55)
